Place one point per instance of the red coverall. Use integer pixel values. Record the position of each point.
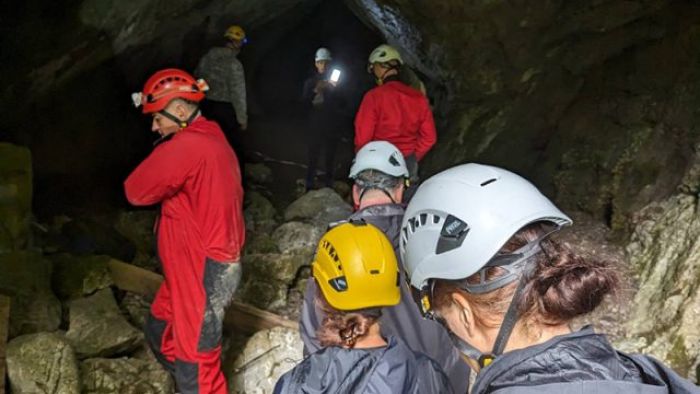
(196, 178)
(399, 114)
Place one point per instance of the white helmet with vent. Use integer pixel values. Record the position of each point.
(380, 156)
(460, 218)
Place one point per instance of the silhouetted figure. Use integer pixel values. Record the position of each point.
(320, 96)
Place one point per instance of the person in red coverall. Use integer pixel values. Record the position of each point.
(193, 173)
(395, 112)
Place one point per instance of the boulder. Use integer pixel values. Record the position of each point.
(266, 357)
(136, 308)
(15, 196)
(124, 376)
(98, 329)
(258, 174)
(26, 277)
(297, 237)
(260, 243)
(321, 207)
(267, 278)
(42, 363)
(78, 276)
(344, 190)
(259, 213)
(137, 227)
(665, 251)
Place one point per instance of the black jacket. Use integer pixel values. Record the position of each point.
(580, 362)
(404, 320)
(391, 369)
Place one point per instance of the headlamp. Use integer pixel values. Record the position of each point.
(137, 99)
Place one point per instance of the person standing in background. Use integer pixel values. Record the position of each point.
(395, 112)
(226, 100)
(321, 98)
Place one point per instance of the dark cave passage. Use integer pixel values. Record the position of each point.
(597, 103)
(86, 136)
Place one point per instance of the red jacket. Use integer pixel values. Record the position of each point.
(399, 114)
(196, 178)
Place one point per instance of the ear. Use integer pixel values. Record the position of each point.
(181, 111)
(467, 312)
(398, 193)
(356, 194)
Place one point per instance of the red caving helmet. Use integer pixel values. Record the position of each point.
(166, 85)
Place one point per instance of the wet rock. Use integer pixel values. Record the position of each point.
(98, 329)
(26, 277)
(297, 237)
(15, 196)
(124, 376)
(260, 243)
(665, 251)
(42, 363)
(266, 357)
(137, 309)
(542, 96)
(78, 276)
(321, 206)
(259, 174)
(259, 213)
(268, 277)
(343, 189)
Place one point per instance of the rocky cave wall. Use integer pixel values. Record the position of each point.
(595, 101)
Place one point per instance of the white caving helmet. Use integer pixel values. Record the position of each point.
(384, 54)
(460, 218)
(323, 54)
(381, 156)
(455, 225)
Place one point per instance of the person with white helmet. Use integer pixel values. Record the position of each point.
(226, 100)
(357, 278)
(380, 176)
(320, 97)
(477, 248)
(394, 111)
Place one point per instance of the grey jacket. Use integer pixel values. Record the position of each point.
(391, 369)
(404, 320)
(224, 73)
(580, 362)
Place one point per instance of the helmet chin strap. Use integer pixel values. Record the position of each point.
(511, 317)
(524, 264)
(380, 80)
(181, 123)
(365, 190)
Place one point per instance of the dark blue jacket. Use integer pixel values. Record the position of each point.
(580, 362)
(391, 369)
(404, 320)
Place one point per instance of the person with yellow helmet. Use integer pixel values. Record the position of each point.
(379, 176)
(357, 275)
(226, 100)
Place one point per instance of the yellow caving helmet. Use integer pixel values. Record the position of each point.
(235, 32)
(355, 268)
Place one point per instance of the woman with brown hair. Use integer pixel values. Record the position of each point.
(478, 254)
(357, 274)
